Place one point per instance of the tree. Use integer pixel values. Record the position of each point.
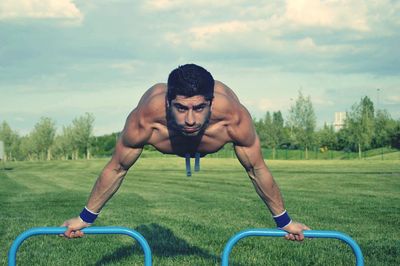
(81, 133)
(260, 129)
(267, 130)
(302, 121)
(11, 141)
(395, 136)
(360, 124)
(104, 145)
(43, 137)
(27, 148)
(277, 131)
(63, 144)
(384, 126)
(327, 137)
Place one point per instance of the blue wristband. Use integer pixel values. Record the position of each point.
(282, 219)
(88, 216)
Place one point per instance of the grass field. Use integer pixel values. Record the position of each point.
(187, 221)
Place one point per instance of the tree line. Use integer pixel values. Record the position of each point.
(42, 143)
(364, 128)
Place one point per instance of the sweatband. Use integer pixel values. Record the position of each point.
(282, 219)
(88, 216)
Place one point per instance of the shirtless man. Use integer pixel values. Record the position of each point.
(191, 114)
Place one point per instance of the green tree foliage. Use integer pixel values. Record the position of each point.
(277, 131)
(104, 145)
(384, 128)
(302, 121)
(64, 144)
(360, 124)
(395, 135)
(326, 137)
(11, 141)
(27, 148)
(271, 130)
(80, 135)
(42, 137)
(267, 130)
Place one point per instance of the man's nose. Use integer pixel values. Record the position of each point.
(189, 119)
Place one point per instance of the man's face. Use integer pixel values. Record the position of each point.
(190, 114)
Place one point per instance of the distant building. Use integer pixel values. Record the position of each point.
(340, 117)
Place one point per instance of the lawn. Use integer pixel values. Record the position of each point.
(187, 221)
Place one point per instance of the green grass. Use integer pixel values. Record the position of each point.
(187, 221)
(384, 153)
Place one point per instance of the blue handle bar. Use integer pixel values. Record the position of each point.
(280, 233)
(12, 254)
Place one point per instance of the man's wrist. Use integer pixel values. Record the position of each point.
(88, 216)
(282, 219)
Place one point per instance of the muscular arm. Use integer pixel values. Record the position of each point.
(127, 150)
(248, 151)
(251, 159)
(112, 175)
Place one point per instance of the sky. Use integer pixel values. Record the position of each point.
(63, 58)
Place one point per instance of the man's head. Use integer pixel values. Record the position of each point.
(189, 97)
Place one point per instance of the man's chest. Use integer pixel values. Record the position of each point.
(166, 141)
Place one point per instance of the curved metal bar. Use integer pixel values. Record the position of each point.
(12, 254)
(280, 233)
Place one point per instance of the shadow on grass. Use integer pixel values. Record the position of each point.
(162, 242)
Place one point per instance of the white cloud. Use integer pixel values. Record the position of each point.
(39, 9)
(306, 44)
(261, 105)
(393, 99)
(203, 34)
(292, 25)
(331, 14)
(160, 4)
(156, 5)
(173, 38)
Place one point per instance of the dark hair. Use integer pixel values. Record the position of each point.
(190, 80)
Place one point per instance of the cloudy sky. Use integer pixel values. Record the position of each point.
(62, 58)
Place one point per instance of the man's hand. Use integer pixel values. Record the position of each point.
(295, 231)
(74, 226)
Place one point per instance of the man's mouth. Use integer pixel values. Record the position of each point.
(190, 130)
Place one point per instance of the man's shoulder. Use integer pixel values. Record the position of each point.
(154, 93)
(221, 88)
(226, 103)
(149, 111)
(236, 117)
(152, 104)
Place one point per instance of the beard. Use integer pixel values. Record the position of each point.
(180, 129)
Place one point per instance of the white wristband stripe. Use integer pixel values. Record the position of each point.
(92, 212)
(278, 215)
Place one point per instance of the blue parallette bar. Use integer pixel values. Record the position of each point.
(280, 233)
(12, 254)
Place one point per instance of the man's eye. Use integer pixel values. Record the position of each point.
(180, 109)
(199, 109)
